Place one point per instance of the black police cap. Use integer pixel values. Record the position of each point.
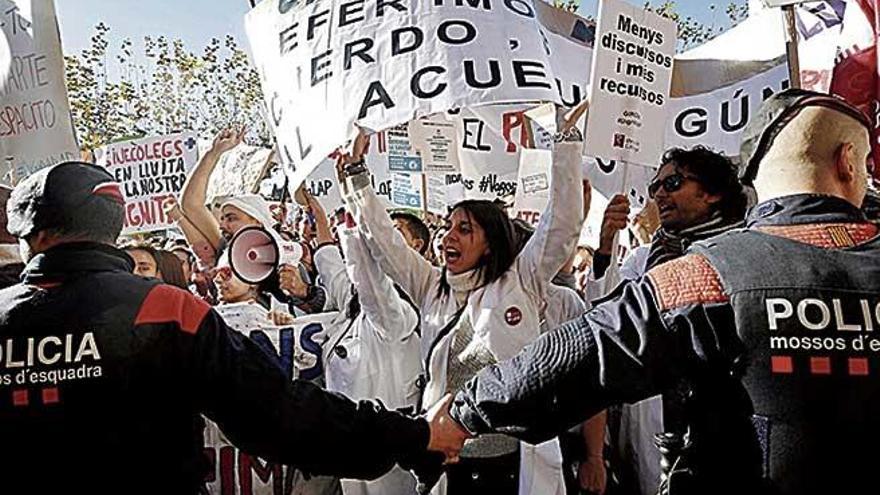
(774, 115)
(51, 197)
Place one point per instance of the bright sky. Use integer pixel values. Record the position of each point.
(197, 21)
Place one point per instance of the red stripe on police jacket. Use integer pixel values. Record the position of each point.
(689, 280)
(168, 304)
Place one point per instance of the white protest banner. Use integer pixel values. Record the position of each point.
(717, 118)
(323, 185)
(329, 64)
(299, 350)
(239, 171)
(533, 188)
(150, 170)
(35, 128)
(632, 71)
(570, 40)
(491, 138)
(718, 86)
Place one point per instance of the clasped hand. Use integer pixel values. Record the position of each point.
(447, 435)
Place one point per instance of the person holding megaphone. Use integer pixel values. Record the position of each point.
(210, 232)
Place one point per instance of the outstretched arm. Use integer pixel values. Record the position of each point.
(193, 197)
(406, 267)
(247, 394)
(561, 222)
(624, 350)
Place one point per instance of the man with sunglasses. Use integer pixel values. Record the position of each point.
(698, 196)
(767, 330)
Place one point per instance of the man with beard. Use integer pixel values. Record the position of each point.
(208, 233)
(698, 196)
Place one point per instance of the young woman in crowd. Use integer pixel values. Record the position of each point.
(483, 305)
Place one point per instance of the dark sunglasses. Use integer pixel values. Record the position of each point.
(670, 183)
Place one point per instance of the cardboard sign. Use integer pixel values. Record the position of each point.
(239, 171)
(632, 73)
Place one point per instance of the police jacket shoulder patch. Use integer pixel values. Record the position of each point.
(686, 281)
(828, 236)
(169, 304)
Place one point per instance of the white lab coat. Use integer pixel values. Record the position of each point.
(381, 358)
(520, 291)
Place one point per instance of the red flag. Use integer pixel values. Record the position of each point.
(856, 76)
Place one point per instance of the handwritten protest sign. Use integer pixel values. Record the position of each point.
(632, 71)
(150, 170)
(717, 117)
(329, 64)
(35, 128)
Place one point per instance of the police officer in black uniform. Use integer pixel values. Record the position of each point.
(104, 375)
(771, 329)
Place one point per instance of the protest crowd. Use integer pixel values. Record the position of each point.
(383, 320)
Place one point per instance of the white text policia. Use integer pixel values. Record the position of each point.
(816, 314)
(48, 350)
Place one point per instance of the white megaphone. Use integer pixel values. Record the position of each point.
(256, 253)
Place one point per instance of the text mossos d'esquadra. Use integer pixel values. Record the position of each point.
(49, 360)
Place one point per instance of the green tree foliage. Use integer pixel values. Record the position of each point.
(691, 32)
(569, 5)
(115, 95)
